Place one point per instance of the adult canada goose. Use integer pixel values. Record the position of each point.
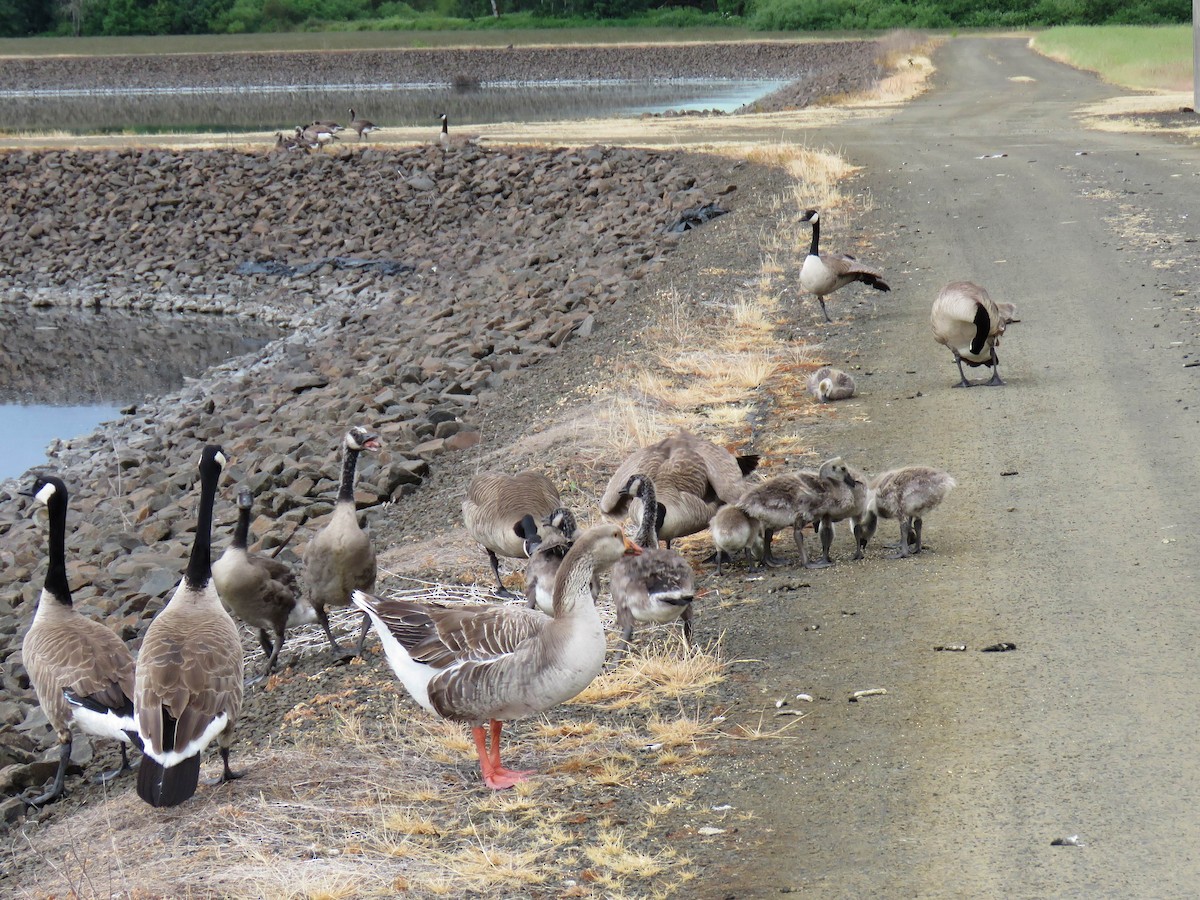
(824, 273)
(735, 532)
(340, 559)
(848, 497)
(261, 591)
(906, 494)
(692, 478)
(494, 508)
(315, 136)
(970, 323)
(362, 126)
(189, 671)
(546, 549)
(657, 585)
(794, 500)
(81, 671)
(489, 664)
(444, 137)
(828, 384)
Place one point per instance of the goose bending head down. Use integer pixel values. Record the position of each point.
(82, 673)
(657, 586)
(735, 532)
(190, 670)
(966, 320)
(494, 508)
(546, 549)
(823, 273)
(906, 494)
(489, 664)
(340, 558)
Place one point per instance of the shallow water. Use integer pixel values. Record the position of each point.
(267, 108)
(63, 372)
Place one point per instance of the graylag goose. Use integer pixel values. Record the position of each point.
(824, 273)
(189, 670)
(907, 494)
(794, 499)
(828, 384)
(340, 559)
(493, 510)
(735, 532)
(967, 321)
(546, 550)
(489, 664)
(361, 126)
(657, 586)
(81, 671)
(692, 479)
(261, 591)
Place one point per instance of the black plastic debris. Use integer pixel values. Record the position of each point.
(694, 218)
(276, 267)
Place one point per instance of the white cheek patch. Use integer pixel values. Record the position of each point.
(48, 490)
(221, 460)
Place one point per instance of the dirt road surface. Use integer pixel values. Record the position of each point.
(1072, 533)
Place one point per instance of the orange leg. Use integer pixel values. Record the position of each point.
(495, 775)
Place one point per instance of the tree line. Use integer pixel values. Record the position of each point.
(20, 18)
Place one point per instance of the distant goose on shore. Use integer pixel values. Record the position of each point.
(82, 673)
(314, 136)
(828, 384)
(340, 558)
(967, 321)
(362, 126)
(259, 590)
(444, 137)
(487, 664)
(189, 670)
(824, 273)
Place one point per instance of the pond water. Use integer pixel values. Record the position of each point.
(63, 372)
(265, 108)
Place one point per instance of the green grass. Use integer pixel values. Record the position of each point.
(1156, 57)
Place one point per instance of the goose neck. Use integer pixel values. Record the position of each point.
(816, 238)
(647, 535)
(56, 574)
(241, 534)
(349, 465)
(199, 570)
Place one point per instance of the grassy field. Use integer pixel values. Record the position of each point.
(1136, 56)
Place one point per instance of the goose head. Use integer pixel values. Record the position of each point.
(359, 439)
(810, 215)
(212, 460)
(245, 499)
(836, 470)
(45, 488)
(824, 389)
(563, 520)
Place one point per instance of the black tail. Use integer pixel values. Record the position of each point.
(159, 786)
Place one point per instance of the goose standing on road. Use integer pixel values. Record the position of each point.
(494, 508)
(362, 126)
(970, 323)
(824, 273)
(656, 586)
(340, 558)
(82, 673)
(189, 670)
(261, 591)
(489, 664)
(906, 494)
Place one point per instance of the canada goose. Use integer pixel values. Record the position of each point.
(362, 126)
(847, 497)
(495, 663)
(828, 384)
(81, 671)
(189, 670)
(444, 137)
(824, 273)
(494, 507)
(315, 136)
(970, 323)
(793, 499)
(692, 479)
(906, 494)
(340, 559)
(546, 551)
(657, 585)
(735, 532)
(327, 125)
(261, 591)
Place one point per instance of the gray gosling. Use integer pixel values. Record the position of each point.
(828, 384)
(906, 494)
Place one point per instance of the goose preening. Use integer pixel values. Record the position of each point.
(490, 664)
(362, 126)
(189, 670)
(692, 479)
(970, 323)
(82, 673)
(340, 559)
(906, 494)
(546, 549)
(657, 586)
(315, 136)
(828, 384)
(259, 590)
(824, 273)
(493, 510)
(794, 499)
(735, 532)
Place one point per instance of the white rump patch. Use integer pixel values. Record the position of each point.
(106, 725)
(175, 757)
